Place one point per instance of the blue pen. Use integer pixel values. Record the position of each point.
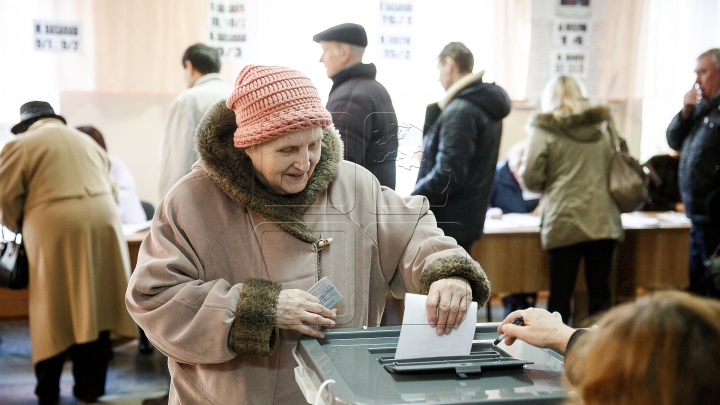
(517, 321)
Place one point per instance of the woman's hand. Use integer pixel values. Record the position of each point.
(447, 303)
(541, 329)
(298, 310)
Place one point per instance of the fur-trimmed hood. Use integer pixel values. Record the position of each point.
(232, 170)
(585, 127)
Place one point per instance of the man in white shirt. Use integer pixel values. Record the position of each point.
(205, 87)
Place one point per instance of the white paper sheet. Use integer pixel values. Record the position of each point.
(129, 229)
(419, 339)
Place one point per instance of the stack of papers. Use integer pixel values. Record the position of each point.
(636, 220)
(129, 229)
(674, 217)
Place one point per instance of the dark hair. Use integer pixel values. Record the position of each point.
(460, 54)
(203, 58)
(94, 134)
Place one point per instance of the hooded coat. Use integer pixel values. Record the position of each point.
(363, 112)
(57, 181)
(460, 152)
(568, 159)
(222, 247)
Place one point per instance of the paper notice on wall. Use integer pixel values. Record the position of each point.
(57, 36)
(571, 33)
(227, 28)
(570, 47)
(395, 33)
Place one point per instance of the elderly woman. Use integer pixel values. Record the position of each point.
(268, 210)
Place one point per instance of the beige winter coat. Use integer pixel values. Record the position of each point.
(58, 181)
(222, 246)
(568, 159)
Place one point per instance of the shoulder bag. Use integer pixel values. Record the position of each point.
(13, 262)
(627, 178)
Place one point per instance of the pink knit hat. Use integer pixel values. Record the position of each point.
(270, 101)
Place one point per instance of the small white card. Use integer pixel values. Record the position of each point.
(325, 290)
(419, 339)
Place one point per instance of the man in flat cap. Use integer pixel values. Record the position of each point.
(361, 107)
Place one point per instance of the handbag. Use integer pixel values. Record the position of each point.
(627, 178)
(14, 269)
(712, 264)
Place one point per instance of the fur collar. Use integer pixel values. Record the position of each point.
(231, 169)
(463, 82)
(553, 123)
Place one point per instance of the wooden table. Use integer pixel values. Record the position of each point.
(651, 258)
(14, 304)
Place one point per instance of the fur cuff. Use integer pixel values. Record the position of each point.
(253, 331)
(459, 266)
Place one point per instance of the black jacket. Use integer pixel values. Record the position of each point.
(363, 113)
(460, 151)
(698, 139)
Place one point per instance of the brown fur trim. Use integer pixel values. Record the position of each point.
(231, 169)
(552, 123)
(458, 266)
(253, 329)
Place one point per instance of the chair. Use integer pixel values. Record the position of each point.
(149, 209)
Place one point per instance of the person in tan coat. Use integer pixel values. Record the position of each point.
(568, 160)
(56, 182)
(268, 210)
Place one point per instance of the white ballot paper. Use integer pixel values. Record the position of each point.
(419, 339)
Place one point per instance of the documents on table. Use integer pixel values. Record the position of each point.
(129, 229)
(513, 220)
(635, 220)
(419, 339)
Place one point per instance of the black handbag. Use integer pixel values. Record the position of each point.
(13, 262)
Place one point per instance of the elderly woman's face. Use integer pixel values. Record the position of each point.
(284, 165)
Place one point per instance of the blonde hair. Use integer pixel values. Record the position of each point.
(663, 349)
(564, 95)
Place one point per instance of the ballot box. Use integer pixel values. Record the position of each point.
(361, 363)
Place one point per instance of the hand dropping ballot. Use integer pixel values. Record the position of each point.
(419, 339)
(325, 290)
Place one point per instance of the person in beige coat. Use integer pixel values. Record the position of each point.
(268, 210)
(568, 160)
(56, 181)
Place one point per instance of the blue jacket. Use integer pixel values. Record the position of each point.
(460, 151)
(507, 194)
(698, 140)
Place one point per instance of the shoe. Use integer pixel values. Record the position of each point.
(157, 401)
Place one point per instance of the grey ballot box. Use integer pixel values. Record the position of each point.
(361, 362)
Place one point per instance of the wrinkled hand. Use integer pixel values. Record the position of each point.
(295, 307)
(690, 99)
(541, 329)
(449, 298)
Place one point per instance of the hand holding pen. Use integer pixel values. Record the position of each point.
(539, 328)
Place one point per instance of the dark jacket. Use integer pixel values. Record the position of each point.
(363, 113)
(698, 140)
(663, 191)
(507, 194)
(460, 152)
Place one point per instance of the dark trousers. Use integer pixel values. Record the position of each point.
(704, 238)
(90, 362)
(564, 263)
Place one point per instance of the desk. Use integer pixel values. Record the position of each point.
(650, 257)
(14, 304)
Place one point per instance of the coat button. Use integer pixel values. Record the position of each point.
(717, 167)
(706, 120)
(711, 124)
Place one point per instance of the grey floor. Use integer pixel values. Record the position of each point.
(131, 378)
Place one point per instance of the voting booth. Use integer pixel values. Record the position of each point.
(361, 363)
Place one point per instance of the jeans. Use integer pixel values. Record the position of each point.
(564, 263)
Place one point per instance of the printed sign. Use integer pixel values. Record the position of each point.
(569, 62)
(395, 39)
(571, 33)
(227, 30)
(54, 36)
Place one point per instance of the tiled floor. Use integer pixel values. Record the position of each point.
(131, 376)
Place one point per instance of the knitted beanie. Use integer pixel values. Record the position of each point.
(270, 101)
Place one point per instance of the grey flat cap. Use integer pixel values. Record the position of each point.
(348, 33)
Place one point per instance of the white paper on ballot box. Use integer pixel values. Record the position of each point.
(419, 339)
